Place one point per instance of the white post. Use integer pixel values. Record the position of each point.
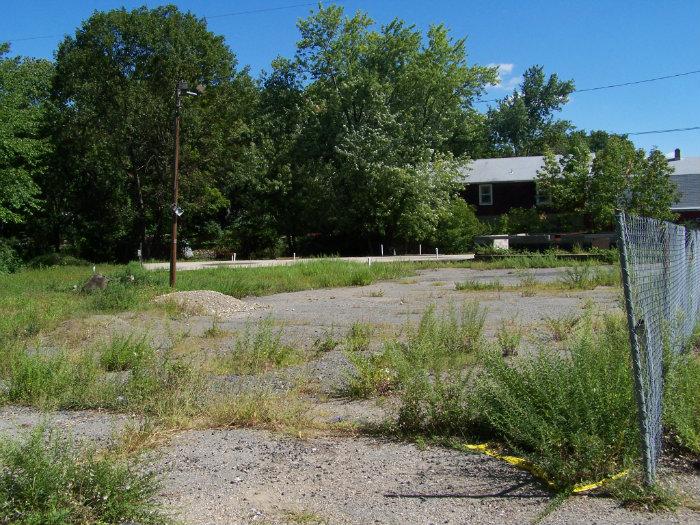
(381, 249)
(437, 254)
(394, 252)
(294, 256)
(369, 261)
(420, 249)
(234, 256)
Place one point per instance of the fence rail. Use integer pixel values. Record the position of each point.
(661, 279)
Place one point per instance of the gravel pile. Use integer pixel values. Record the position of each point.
(206, 302)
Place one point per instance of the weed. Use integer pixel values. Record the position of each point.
(571, 414)
(509, 337)
(479, 286)
(47, 478)
(577, 277)
(437, 345)
(635, 495)
(326, 343)
(377, 293)
(124, 353)
(259, 349)
(259, 409)
(359, 337)
(214, 331)
(561, 327)
(682, 400)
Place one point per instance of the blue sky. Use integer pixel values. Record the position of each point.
(593, 42)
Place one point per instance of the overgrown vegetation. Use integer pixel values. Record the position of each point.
(438, 344)
(48, 478)
(257, 349)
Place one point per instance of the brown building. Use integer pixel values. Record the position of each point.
(494, 186)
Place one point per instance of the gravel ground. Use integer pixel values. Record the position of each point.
(205, 302)
(241, 476)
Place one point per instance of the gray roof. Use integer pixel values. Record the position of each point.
(522, 169)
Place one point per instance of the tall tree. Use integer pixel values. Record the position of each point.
(24, 88)
(386, 104)
(619, 177)
(524, 123)
(114, 92)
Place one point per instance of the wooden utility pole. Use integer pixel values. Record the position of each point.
(181, 86)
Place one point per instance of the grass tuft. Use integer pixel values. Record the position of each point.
(47, 478)
(259, 349)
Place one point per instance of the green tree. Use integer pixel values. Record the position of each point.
(386, 105)
(626, 178)
(524, 123)
(24, 88)
(619, 177)
(113, 127)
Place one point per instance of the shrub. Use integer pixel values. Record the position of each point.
(56, 259)
(47, 478)
(682, 400)
(456, 230)
(572, 415)
(9, 260)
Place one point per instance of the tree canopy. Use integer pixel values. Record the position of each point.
(359, 138)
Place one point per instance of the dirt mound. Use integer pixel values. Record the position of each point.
(206, 302)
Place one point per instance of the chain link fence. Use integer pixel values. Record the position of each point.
(661, 279)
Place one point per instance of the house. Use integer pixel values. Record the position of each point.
(494, 186)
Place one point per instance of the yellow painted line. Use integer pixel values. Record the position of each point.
(524, 464)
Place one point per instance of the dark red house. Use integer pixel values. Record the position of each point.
(494, 186)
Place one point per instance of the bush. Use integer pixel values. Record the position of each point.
(682, 401)
(456, 231)
(47, 478)
(56, 259)
(9, 260)
(573, 415)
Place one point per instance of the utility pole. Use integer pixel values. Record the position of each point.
(182, 88)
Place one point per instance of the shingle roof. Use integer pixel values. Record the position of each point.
(522, 169)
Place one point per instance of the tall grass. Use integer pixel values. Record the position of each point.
(437, 345)
(257, 349)
(573, 415)
(48, 479)
(682, 400)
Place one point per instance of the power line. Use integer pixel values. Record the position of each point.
(263, 10)
(235, 13)
(610, 86)
(662, 131)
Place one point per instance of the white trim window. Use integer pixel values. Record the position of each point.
(542, 196)
(485, 194)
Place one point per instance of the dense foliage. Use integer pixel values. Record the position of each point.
(356, 140)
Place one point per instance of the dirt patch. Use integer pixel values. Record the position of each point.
(206, 302)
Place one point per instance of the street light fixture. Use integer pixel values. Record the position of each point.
(182, 88)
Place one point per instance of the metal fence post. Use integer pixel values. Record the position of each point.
(639, 384)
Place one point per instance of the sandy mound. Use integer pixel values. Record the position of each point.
(206, 302)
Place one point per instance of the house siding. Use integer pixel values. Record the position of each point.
(506, 195)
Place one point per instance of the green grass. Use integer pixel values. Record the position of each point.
(479, 286)
(572, 413)
(359, 337)
(438, 344)
(682, 401)
(257, 349)
(46, 478)
(124, 353)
